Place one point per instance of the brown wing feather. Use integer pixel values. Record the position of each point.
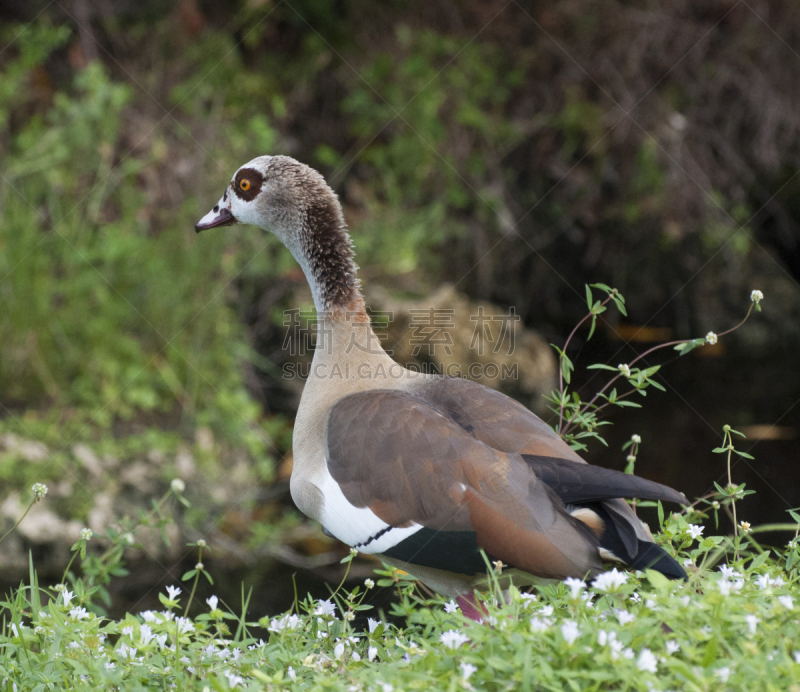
(407, 462)
(494, 418)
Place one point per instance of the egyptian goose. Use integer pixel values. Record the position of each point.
(423, 470)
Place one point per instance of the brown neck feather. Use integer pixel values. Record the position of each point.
(330, 256)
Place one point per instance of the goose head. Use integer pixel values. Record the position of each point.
(294, 202)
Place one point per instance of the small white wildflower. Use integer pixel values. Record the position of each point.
(161, 640)
(725, 587)
(631, 458)
(650, 603)
(625, 370)
(372, 624)
(752, 622)
(797, 657)
(610, 582)
(624, 616)
(575, 587)
(129, 538)
(201, 543)
(291, 674)
(673, 647)
(636, 439)
(177, 486)
(67, 596)
(338, 651)
(540, 625)
(173, 592)
(695, 531)
(647, 661)
(467, 669)
(453, 639)
(711, 338)
(86, 534)
(723, 674)
(372, 652)
(325, 608)
(39, 491)
(128, 630)
(728, 571)
(688, 562)
(527, 599)
(184, 625)
(146, 633)
(546, 610)
(385, 686)
(212, 602)
(744, 526)
(570, 631)
(756, 296)
(79, 613)
(199, 566)
(451, 607)
(787, 602)
(290, 622)
(369, 583)
(233, 679)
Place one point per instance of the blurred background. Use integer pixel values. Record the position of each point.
(490, 155)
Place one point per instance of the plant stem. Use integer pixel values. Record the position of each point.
(194, 584)
(19, 521)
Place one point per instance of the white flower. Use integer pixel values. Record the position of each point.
(290, 622)
(199, 566)
(233, 679)
(527, 599)
(636, 439)
(86, 534)
(797, 657)
(725, 587)
(212, 602)
(161, 640)
(453, 639)
(673, 647)
(609, 581)
(372, 624)
(546, 610)
(451, 607)
(575, 587)
(787, 602)
(39, 491)
(764, 581)
(467, 669)
(540, 625)
(752, 622)
(625, 370)
(369, 583)
(570, 631)
(385, 686)
(338, 651)
(647, 661)
(695, 531)
(372, 652)
(291, 674)
(711, 338)
(744, 526)
(728, 571)
(128, 630)
(756, 296)
(177, 486)
(172, 592)
(184, 625)
(67, 596)
(78, 613)
(325, 608)
(146, 633)
(723, 673)
(624, 616)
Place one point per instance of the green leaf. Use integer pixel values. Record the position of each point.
(189, 575)
(759, 560)
(589, 298)
(658, 580)
(601, 366)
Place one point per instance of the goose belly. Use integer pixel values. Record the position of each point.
(358, 527)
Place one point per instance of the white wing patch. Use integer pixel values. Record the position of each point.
(359, 527)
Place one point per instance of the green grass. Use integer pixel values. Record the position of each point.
(730, 626)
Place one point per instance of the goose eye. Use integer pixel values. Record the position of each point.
(244, 185)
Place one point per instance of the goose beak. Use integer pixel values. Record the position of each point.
(220, 215)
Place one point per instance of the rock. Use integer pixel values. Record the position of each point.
(30, 450)
(89, 459)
